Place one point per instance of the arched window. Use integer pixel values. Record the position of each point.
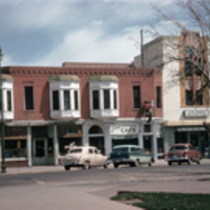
(95, 130)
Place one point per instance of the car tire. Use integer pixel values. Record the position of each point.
(105, 165)
(115, 165)
(67, 168)
(198, 162)
(136, 163)
(86, 166)
(169, 163)
(179, 163)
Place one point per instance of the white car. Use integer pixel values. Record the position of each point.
(84, 156)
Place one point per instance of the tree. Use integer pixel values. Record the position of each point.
(190, 50)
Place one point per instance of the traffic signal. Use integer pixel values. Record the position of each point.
(149, 114)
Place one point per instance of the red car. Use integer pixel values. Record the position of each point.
(182, 153)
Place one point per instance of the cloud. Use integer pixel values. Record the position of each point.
(49, 32)
(87, 46)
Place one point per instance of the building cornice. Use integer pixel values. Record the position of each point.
(79, 71)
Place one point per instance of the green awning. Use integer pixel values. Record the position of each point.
(103, 78)
(64, 77)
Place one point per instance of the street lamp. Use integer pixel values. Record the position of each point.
(3, 167)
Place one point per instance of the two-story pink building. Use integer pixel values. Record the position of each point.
(47, 108)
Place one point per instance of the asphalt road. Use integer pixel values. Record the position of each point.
(97, 176)
(91, 189)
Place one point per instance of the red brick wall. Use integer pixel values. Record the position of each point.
(16, 163)
(38, 76)
(41, 98)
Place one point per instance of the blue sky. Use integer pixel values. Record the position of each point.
(50, 32)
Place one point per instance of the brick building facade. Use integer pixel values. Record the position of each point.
(46, 108)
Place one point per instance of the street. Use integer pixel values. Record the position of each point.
(84, 189)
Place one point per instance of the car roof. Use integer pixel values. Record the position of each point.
(181, 144)
(127, 145)
(83, 147)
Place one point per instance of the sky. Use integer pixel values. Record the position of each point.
(50, 32)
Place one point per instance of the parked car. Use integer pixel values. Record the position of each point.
(129, 154)
(182, 153)
(83, 156)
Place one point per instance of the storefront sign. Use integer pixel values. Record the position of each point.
(196, 113)
(190, 129)
(124, 137)
(124, 129)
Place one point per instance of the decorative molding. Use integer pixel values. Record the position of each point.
(47, 71)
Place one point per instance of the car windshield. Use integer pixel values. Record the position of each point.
(178, 148)
(75, 151)
(122, 149)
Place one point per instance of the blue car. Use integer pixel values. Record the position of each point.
(132, 155)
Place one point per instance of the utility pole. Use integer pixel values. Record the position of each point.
(142, 54)
(3, 167)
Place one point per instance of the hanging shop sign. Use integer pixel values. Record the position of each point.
(124, 129)
(196, 113)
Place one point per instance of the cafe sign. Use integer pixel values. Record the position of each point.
(196, 113)
(124, 129)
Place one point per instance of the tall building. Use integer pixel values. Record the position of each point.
(185, 96)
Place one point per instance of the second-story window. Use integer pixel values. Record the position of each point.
(115, 99)
(29, 98)
(66, 96)
(55, 94)
(136, 97)
(95, 99)
(76, 103)
(158, 97)
(9, 100)
(106, 99)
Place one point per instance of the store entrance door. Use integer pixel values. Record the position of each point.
(148, 145)
(39, 151)
(97, 142)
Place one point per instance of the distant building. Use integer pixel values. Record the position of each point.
(186, 107)
(47, 108)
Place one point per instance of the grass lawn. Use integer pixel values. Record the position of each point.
(166, 201)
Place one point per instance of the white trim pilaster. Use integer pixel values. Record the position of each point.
(55, 142)
(154, 148)
(29, 146)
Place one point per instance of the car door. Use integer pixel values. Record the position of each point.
(145, 158)
(91, 156)
(99, 159)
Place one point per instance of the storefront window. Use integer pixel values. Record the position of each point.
(160, 145)
(181, 137)
(15, 148)
(148, 144)
(147, 128)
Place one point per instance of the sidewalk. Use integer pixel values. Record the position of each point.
(50, 168)
(33, 169)
(40, 169)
